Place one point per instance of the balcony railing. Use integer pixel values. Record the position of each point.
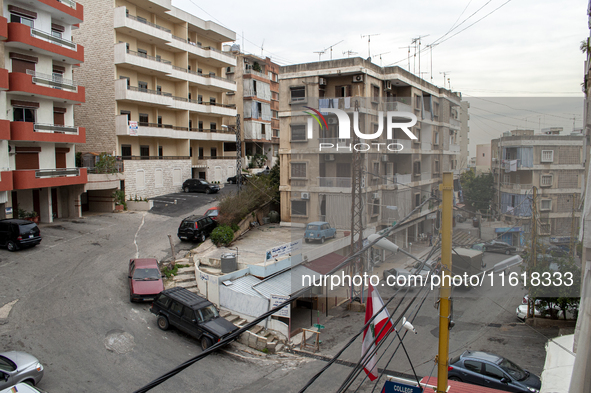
(153, 157)
(145, 56)
(402, 179)
(216, 157)
(159, 125)
(142, 20)
(142, 90)
(202, 74)
(516, 186)
(69, 3)
(53, 80)
(56, 40)
(39, 127)
(343, 182)
(57, 172)
(253, 72)
(179, 38)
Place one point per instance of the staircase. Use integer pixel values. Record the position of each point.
(464, 239)
(257, 337)
(185, 278)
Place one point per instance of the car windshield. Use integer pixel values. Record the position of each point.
(146, 274)
(6, 364)
(26, 228)
(212, 213)
(209, 313)
(187, 224)
(313, 227)
(513, 370)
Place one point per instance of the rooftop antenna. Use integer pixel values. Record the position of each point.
(402, 47)
(330, 47)
(430, 46)
(385, 53)
(416, 41)
(349, 53)
(368, 41)
(421, 74)
(320, 53)
(445, 73)
(262, 45)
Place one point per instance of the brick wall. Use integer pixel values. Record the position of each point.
(97, 75)
(159, 177)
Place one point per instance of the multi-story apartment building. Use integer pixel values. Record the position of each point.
(551, 162)
(39, 135)
(158, 98)
(464, 132)
(257, 102)
(316, 184)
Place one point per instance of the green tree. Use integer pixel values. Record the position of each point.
(478, 190)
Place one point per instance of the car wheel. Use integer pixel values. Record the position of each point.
(131, 298)
(206, 343)
(12, 246)
(455, 379)
(186, 189)
(322, 240)
(207, 190)
(202, 237)
(162, 322)
(307, 240)
(507, 252)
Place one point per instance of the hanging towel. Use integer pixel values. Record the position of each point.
(513, 166)
(347, 102)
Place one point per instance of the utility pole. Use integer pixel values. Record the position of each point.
(238, 153)
(534, 244)
(447, 189)
(573, 229)
(357, 267)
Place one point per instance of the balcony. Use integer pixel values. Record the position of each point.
(25, 131)
(6, 183)
(454, 123)
(146, 64)
(256, 73)
(404, 143)
(515, 186)
(41, 178)
(215, 83)
(454, 148)
(402, 179)
(59, 49)
(141, 95)
(33, 83)
(211, 56)
(67, 11)
(3, 28)
(203, 107)
(341, 182)
(140, 28)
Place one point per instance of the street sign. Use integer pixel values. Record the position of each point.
(133, 128)
(277, 300)
(395, 387)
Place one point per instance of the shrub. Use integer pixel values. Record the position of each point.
(258, 191)
(235, 228)
(222, 235)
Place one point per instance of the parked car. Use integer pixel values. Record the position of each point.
(145, 279)
(498, 246)
(191, 314)
(541, 310)
(394, 277)
(244, 179)
(213, 213)
(196, 228)
(319, 230)
(496, 372)
(478, 247)
(16, 234)
(16, 366)
(200, 185)
(557, 252)
(21, 388)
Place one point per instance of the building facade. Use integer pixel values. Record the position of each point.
(316, 182)
(483, 158)
(158, 96)
(553, 163)
(257, 101)
(464, 133)
(39, 175)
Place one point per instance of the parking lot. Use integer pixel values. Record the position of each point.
(181, 204)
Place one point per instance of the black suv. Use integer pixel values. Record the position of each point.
(196, 228)
(192, 314)
(200, 185)
(16, 234)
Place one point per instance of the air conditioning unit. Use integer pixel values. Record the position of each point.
(332, 120)
(230, 70)
(11, 150)
(388, 85)
(384, 158)
(358, 78)
(322, 81)
(329, 157)
(375, 195)
(305, 195)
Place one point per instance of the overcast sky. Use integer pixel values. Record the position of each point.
(525, 48)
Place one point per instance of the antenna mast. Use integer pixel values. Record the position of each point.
(349, 53)
(368, 41)
(416, 41)
(385, 53)
(330, 47)
(402, 47)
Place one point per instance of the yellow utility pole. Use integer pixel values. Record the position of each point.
(573, 229)
(534, 245)
(447, 189)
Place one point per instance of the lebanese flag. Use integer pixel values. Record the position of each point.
(382, 320)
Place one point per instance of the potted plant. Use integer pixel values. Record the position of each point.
(32, 216)
(120, 203)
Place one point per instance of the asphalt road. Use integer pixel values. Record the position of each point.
(182, 204)
(73, 313)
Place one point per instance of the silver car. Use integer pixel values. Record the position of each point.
(18, 367)
(21, 388)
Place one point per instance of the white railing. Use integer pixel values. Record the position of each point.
(343, 182)
(402, 179)
(39, 127)
(69, 3)
(52, 80)
(55, 40)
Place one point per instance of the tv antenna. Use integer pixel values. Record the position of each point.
(330, 47)
(430, 46)
(417, 41)
(445, 73)
(368, 41)
(349, 53)
(385, 53)
(402, 47)
(320, 53)
(262, 45)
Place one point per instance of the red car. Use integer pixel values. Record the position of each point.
(145, 279)
(213, 213)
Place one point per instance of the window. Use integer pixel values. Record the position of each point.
(214, 152)
(142, 52)
(254, 87)
(144, 119)
(211, 100)
(159, 89)
(188, 314)
(199, 99)
(546, 181)
(375, 93)
(298, 94)
(56, 33)
(21, 19)
(126, 150)
(163, 300)
(546, 204)
(506, 179)
(212, 127)
(160, 151)
(299, 208)
(142, 86)
(547, 156)
(23, 114)
(298, 170)
(200, 157)
(298, 133)
(417, 167)
(342, 91)
(125, 77)
(473, 366)
(199, 71)
(275, 114)
(176, 308)
(159, 121)
(200, 125)
(190, 151)
(144, 152)
(493, 371)
(376, 207)
(436, 138)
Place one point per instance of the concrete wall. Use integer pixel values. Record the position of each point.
(150, 178)
(242, 303)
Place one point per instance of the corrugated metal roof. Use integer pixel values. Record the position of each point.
(244, 285)
(286, 283)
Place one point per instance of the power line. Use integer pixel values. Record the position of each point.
(519, 109)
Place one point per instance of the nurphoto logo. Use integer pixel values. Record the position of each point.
(345, 129)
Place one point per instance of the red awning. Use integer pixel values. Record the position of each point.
(326, 263)
(460, 387)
